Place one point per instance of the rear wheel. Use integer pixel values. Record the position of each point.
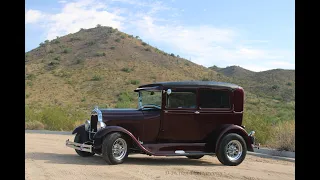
(195, 157)
(232, 150)
(78, 139)
(115, 148)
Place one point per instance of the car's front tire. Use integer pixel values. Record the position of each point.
(232, 150)
(195, 157)
(78, 139)
(115, 148)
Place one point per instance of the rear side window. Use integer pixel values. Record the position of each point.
(182, 99)
(212, 98)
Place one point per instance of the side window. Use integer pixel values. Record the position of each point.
(182, 99)
(211, 98)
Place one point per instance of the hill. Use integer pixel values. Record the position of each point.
(102, 66)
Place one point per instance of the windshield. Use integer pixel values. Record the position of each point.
(150, 99)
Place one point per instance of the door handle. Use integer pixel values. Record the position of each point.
(197, 112)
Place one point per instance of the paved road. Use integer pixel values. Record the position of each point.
(47, 157)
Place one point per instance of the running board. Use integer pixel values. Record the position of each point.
(166, 153)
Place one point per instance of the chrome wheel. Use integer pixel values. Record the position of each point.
(234, 150)
(119, 149)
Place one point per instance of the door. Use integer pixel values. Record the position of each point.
(215, 109)
(178, 123)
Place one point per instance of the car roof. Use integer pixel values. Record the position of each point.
(172, 84)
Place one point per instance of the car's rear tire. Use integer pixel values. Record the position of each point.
(195, 157)
(232, 150)
(78, 139)
(115, 148)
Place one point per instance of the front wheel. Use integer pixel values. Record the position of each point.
(78, 139)
(114, 148)
(232, 150)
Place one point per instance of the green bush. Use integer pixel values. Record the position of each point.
(100, 54)
(122, 36)
(96, 78)
(144, 44)
(57, 58)
(117, 40)
(112, 47)
(66, 50)
(126, 69)
(134, 82)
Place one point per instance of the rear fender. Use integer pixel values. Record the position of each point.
(110, 129)
(231, 128)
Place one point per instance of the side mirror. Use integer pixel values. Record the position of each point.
(169, 91)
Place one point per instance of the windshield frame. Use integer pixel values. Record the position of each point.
(140, 106)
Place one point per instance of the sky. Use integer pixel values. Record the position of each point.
(256, 35)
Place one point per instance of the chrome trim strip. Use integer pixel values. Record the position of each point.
(78, 146)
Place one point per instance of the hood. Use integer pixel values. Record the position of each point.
(121, 114)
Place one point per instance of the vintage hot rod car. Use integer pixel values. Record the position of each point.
(188, 118)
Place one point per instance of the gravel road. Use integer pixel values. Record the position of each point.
(47, 158)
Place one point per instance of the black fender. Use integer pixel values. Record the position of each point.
(231, 128)
(84, 135)
(109, 129)
(79, 129)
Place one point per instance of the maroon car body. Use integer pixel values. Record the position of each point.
(189, 118)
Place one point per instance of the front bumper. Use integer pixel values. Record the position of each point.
(78, 146)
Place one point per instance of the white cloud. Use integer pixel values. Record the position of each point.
(33, 16)
(62, 2)
(76, 15)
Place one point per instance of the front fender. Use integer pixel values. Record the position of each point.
(109, 129)
(78, 129)
(234, 129)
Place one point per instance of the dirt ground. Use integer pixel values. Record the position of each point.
(47, 158)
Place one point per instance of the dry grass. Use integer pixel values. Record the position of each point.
(283, 137)
(34, 125)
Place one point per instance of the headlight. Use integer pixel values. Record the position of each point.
(100, 125)
(87, 125)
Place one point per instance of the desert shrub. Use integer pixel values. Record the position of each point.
(30, 77)
(75, 39)
(205, 79)
(137, 37)
(117, 40)
(275, 87)
(34, 125)
(172, 54)
(51, 51)
(96, 78)
(112, 47)
(130, 36)
(144, 44)
(53, 117)
(134, 82)
(66, 50)
(147, 49)
(283, 136)
(100, 54)
(126, 100)
(56, 41)
(122, 36)
(57, 58)
(125, 69)
(98, 25)
(259, 124)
